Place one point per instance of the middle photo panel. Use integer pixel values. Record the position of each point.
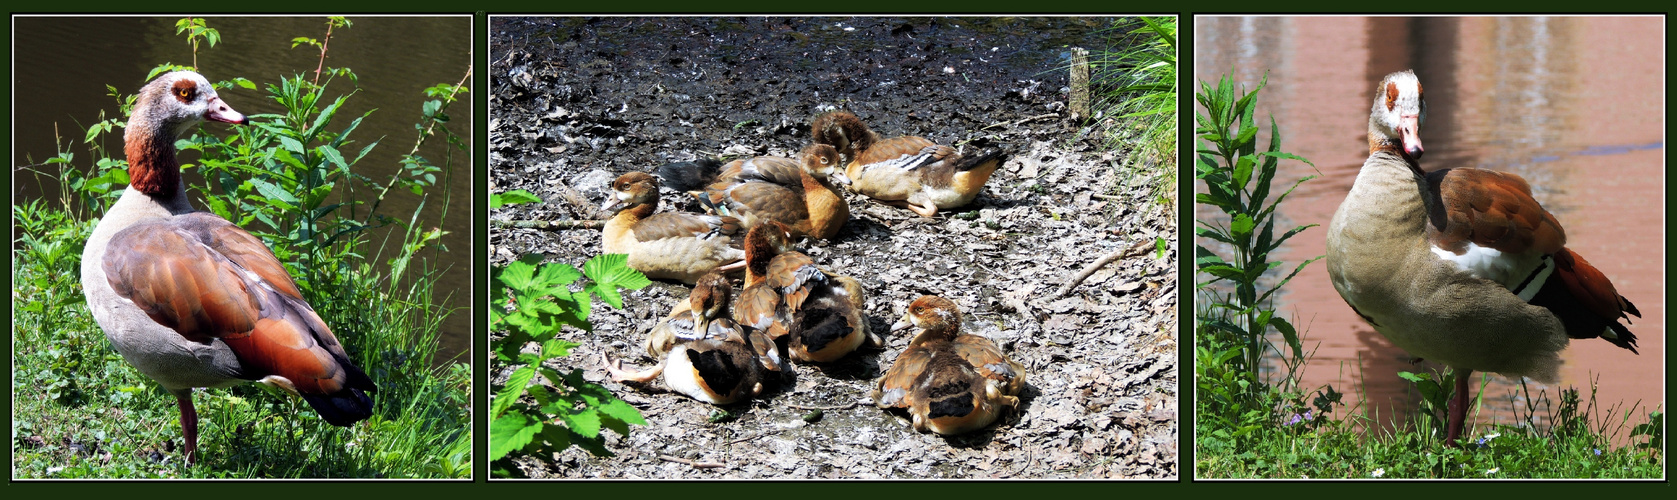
(781, 247)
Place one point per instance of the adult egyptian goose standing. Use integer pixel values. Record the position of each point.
(668, 245)
(949, 381)
(1461, 266)
(909, 172)
(190, 299)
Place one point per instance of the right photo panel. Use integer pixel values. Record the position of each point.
(1430, 247)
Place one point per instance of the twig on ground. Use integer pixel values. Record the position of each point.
(1020, 121)
(1139, 248)
(549, 225)
(694, 464)
(826, 408)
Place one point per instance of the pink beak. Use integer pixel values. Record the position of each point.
(221, 112)
(1409, 128)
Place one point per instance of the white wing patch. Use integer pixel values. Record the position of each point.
(1522, 275)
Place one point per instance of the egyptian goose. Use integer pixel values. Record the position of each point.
(795, 192)
(1461, 266)
(669, 245)
(816, 312)
(717, 362)
(950, 382)
(909, 172)
(190, 299)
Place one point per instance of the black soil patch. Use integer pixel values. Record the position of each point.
(578, 101)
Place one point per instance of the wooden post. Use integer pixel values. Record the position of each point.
(1080, 82)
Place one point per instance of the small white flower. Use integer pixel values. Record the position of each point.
(1493, 435)
(1379, 472)
(949, 69)
(1493, 470)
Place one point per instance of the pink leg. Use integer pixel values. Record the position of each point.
(1458, 408)
(614, 368)
(189, 424)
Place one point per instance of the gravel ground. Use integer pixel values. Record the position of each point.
(577, 101)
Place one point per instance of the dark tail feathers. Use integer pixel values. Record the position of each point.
(983, 156)
(690, 176)
(347, 406)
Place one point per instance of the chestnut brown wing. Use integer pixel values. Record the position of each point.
(1490, 209)
(988, 359)
(892, 390)
(206, 279)
(795, 276)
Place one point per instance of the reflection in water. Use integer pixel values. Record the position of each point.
(1574, 105)
(63, 64)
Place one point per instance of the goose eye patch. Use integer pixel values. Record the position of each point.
(185, 90)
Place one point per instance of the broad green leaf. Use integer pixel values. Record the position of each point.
(509, 433)
(516, 383)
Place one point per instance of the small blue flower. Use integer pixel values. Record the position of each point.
(1598, 452)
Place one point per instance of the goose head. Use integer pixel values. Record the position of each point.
(937, 316)
(177, 101)
(632, 189)
(1399, 110)
(165, 110)
(844, 132)
(820, 160)
(711, 295)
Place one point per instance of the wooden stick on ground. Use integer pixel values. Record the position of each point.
(1139, 248)
(826, 408)
(1020, 121)
(549, 225)
(694, 464)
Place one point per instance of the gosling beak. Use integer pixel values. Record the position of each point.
(903, 324)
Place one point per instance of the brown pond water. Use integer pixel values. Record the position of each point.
(1574, 105)
(61, 66)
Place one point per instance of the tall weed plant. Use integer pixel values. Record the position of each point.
(292, 179)
(1236, 313)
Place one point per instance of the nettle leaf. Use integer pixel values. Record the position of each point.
(517, 275)
(514, 197)
(610, 271)
(516, 383)
(584, 422)
(511, 432)
(621, 411)
(556, 348)
(556, 275)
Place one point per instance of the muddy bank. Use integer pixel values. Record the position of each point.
(576, 102)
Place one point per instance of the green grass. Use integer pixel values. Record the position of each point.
(1136, 88)
(80, 411)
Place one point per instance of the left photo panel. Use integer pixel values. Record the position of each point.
(241, 247)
